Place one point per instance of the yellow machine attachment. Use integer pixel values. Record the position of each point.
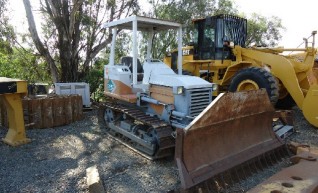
(233, 129)
(296, 74)
(11, 91)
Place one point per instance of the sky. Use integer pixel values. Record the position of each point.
(18, 16)
(299, 18)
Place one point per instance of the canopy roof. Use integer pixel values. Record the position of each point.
(144, 23)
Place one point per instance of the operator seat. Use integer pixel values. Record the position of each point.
(128, 61)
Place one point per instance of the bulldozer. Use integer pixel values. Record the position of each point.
(159, 113)
(219, 55)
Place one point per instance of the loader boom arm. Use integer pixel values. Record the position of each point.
(297, 76)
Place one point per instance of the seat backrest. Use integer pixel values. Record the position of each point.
(128, 61)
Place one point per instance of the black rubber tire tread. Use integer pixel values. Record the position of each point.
(285, 103)
(263, 78)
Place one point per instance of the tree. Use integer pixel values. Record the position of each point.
(226, 7)
(6, 30)
(74, 34)
(23, 64)
(263, 31)
(183, 11)
(16, 61)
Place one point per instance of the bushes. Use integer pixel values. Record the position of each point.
(95, 79)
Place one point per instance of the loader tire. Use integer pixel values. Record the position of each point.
(255, 78)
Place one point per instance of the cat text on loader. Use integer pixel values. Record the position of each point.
(219, 55)
(149, 103)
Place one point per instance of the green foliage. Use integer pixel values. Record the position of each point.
(226, 7)
(95, 79)
(22, 64)
(15, 61)
(5, 47)
(263, 31)
(7, 34)
(123, 45)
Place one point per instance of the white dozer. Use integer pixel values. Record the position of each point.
(157, 112)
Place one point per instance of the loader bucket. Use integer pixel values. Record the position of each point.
(234, 128)
(310, 105)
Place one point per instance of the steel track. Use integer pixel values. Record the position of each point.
(166, 142)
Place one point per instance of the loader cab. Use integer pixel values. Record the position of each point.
(211, 35)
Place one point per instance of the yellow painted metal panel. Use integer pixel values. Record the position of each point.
(310, 105)
(13, 90)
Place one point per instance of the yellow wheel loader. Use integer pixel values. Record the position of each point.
(219, 55)
(157, 112)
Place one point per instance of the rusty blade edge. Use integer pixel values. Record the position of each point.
(223, 165)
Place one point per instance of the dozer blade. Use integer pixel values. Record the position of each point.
(234, 128)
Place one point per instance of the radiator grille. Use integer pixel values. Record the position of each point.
(199, 100)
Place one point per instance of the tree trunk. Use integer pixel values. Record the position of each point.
(77, 32)
(38, 44)
(67, 22)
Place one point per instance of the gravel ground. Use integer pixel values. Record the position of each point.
(57, 158)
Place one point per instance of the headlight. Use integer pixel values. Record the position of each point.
(179, 89)
(214, 87)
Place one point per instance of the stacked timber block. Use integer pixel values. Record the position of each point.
(48, 112)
